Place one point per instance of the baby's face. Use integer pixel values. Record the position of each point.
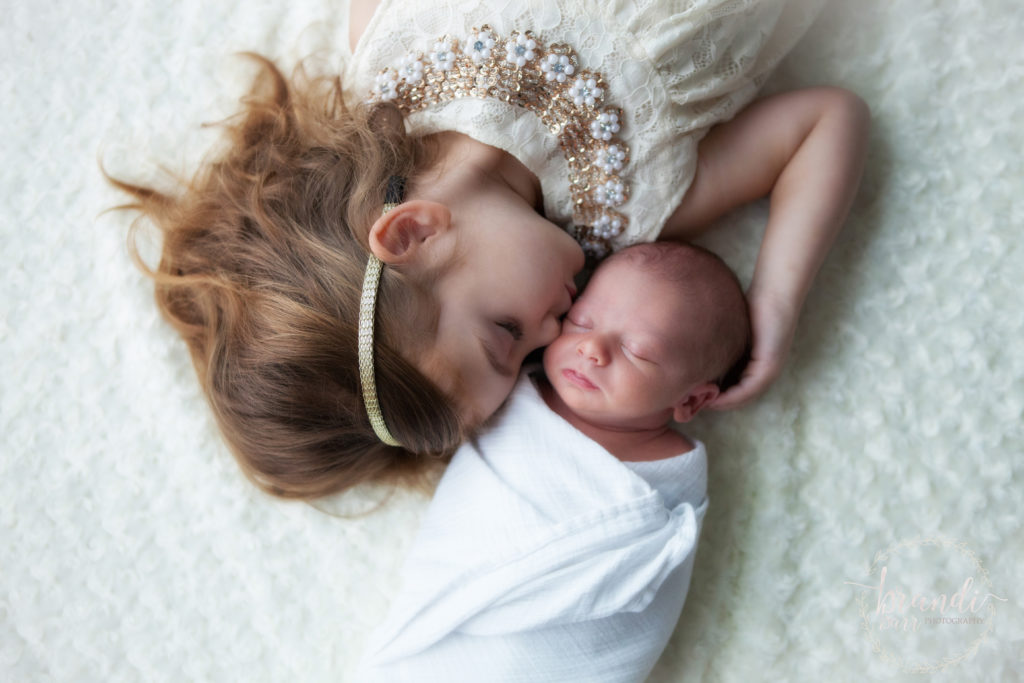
(624, 356)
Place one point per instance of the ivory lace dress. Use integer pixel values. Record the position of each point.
(604, 101)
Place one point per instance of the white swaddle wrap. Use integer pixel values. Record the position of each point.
(541, 557)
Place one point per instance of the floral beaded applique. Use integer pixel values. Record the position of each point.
(546, 81)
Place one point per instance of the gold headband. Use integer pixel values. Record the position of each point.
(367, 306)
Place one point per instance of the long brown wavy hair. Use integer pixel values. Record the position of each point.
(261, 270)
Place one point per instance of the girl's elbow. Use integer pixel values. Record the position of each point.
(849, 107)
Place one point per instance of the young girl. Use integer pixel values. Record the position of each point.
(483, 131)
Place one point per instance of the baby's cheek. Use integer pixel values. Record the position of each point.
(634, 389)
(550, 357)
(559, 346)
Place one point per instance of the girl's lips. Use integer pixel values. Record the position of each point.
(579, 380)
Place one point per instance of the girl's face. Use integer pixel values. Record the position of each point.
(504, 298)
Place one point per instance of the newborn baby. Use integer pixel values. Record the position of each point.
(560, 542)
(660, 330)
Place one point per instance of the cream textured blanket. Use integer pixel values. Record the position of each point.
(887, 461)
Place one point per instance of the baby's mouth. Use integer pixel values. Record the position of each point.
(579, 380)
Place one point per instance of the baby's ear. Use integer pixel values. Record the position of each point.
(696, 399)
(399, 236)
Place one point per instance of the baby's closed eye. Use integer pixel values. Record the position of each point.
(576, 319)
(638, 352)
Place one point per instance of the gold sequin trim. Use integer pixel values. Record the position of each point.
(546, 81)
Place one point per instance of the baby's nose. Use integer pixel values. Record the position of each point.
(591, 348)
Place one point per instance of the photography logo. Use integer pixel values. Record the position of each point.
(927, 604)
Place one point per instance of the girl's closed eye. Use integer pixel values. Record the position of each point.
(513, 328)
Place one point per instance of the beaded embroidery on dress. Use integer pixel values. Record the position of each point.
(664, 71)
(547, 81)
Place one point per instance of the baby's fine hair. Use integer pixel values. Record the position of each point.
(726, 339)
(261, 270)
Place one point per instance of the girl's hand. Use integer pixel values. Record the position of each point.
(806, 149)
(773, 324)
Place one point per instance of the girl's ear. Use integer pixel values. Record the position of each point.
(402, 234)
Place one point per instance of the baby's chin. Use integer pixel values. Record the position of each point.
(609, 417)
(590, 411)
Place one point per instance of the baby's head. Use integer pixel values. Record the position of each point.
(659, 332)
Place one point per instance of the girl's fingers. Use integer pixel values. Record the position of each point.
(773, 324)
(757, 377)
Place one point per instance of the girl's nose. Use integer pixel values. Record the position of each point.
(591, 349)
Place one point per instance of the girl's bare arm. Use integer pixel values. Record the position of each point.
(806, 149)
